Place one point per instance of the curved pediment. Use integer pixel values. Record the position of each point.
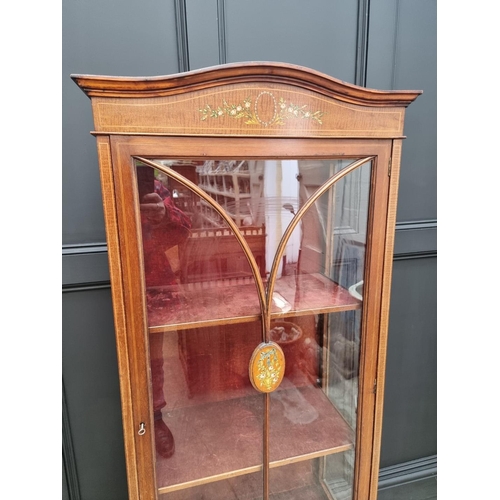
(244, 99)
(251, 72)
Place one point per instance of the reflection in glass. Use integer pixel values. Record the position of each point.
(205, 318)
(208, 418)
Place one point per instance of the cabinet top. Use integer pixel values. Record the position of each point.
(248, 72)
(244, 99)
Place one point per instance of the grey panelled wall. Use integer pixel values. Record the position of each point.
(110, 38)
(321, 34)
(402, 54)
(411, 380)
(388, 44)
(92, 394)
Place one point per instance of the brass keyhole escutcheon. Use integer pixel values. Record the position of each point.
(267, 367)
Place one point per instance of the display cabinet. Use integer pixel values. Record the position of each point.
(250, 212)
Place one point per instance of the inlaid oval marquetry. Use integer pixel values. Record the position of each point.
(267, 367)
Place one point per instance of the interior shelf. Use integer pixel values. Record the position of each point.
(304, 425)
(194, 305)
(249, 487)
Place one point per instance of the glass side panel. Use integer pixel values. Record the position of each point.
(204, 304)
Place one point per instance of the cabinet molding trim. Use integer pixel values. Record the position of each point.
(395, 475)
(290, 75)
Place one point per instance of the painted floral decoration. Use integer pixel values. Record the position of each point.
(248, 111)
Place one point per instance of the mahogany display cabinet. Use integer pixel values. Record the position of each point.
(250, 214)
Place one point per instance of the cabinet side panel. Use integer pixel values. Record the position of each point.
(109, 204)
(370, 324)
(384, 319)
(127, 214)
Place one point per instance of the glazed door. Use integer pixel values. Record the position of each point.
(254, 275)
(204, 321)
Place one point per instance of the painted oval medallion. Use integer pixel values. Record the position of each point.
(267, 367)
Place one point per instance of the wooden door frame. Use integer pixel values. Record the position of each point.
(123, 231)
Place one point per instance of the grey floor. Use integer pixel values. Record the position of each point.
(423, 489)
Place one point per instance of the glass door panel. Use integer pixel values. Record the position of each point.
(204, 321)
(313, 412)
(237, 253)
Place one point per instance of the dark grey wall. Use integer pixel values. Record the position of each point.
(402, 55)
(109, 38)
(410, 405)
(388, 44)
(92, 394)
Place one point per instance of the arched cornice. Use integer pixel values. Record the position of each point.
(242, 73)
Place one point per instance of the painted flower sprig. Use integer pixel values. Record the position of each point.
(241, 110)
(290, 110)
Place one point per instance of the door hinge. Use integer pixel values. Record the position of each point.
(390, 166)
(375, 387)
